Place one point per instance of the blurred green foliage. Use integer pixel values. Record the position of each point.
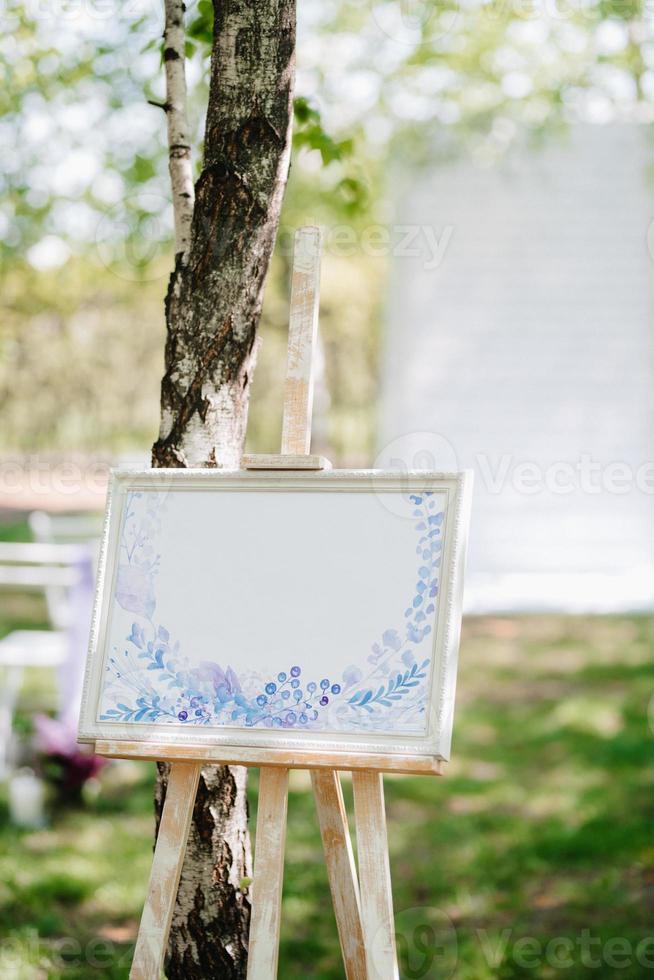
(85, 217)
(540, 831)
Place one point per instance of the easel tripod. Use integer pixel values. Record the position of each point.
(362, 902)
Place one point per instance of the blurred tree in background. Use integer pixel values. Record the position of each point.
(85, 215)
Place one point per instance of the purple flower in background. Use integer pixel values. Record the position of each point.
(66, 764)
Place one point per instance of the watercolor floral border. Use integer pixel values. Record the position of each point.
(148, 680)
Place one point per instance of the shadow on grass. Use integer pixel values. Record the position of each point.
(532, 857)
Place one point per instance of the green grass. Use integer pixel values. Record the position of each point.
(541, 831)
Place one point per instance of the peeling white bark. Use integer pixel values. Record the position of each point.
(179, 139)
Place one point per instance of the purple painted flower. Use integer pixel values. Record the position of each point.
(224, 683)
(135, 590)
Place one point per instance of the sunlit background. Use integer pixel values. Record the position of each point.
(484, 177)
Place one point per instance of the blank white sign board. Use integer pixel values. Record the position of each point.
(307, 610)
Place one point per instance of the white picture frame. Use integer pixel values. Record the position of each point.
(283, 520)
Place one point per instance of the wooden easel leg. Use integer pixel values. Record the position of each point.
(341, 869)
(166, 870)
(374, 876)
(268, 874)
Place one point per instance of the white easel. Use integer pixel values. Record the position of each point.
(362, 904)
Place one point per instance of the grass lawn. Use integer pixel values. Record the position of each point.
(532, 857)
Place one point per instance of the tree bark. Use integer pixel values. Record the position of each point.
(215, 294)
(179, 137)
(213, 307)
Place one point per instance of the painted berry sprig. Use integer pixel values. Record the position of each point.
(394, 690)
(284, 703)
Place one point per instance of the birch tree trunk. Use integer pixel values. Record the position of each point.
(224, 242)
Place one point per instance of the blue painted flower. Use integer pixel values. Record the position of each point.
(391, 638)
(261, 699)
(336, 688)
(270, 688)
(137, 636)
(324, 683)
(352, 675)
(281, 677)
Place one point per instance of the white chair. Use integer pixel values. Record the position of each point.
(56, 569)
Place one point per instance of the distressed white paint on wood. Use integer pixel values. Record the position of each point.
(166, 869)
(341, 869)
(286, 758)
(268, 874)
(374, 876)
(338, 509)
(303, 328)
(288, 461)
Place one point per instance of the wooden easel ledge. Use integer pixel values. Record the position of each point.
(287, 461)
(287, 759)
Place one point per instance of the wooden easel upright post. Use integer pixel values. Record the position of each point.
(362, 904)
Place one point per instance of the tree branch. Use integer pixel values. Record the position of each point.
(179, 140)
